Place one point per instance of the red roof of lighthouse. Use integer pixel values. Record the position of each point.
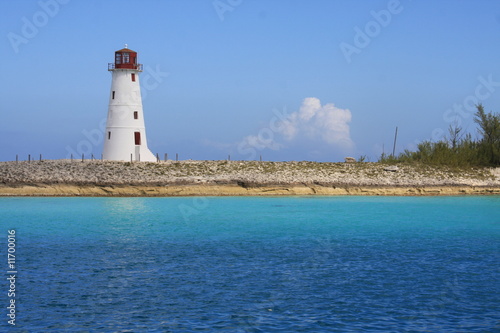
(125, 50)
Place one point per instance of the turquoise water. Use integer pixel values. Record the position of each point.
(288, 264)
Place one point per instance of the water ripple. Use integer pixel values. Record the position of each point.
(233, 270)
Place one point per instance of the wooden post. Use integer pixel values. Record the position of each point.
(40, 157)
(71, 158)
(176, 157)
(261, 158)
(82, 157)
(165, 157)
(130, 158)
(395, 138)
(157, 157)
(17, 158)
(29, 158)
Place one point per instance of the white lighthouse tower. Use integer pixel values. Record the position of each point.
(125, 137)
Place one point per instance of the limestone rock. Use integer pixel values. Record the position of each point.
(391, 168)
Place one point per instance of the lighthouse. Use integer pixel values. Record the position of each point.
(125, 136)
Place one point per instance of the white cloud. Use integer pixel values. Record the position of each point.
(261, 142)
(326, 123)
(312, 126)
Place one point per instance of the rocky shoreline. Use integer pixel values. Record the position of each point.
(236, 178)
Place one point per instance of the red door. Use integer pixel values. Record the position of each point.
(137, 137)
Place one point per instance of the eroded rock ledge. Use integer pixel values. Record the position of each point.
(235, 190)
(238, 178)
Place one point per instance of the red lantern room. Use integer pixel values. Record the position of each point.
(125, 59)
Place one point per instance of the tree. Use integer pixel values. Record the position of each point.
(456, 135)
(489, 128)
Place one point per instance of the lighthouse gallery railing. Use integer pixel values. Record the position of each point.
(111, 66)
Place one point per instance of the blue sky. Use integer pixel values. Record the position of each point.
(289, 80)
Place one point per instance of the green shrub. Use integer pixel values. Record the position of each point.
(459, 151)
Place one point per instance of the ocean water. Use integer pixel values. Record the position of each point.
(284, 264)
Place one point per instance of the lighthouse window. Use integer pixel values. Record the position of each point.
(113, 95)
(126, 57)
(133, 77)
(109, 135)
(136, 115)
(137, 137)
(118, 58)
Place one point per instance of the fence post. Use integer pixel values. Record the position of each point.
(40, 157)
(71, 158)
(17, 158)
(130, 158)
(157, 158)
(261, 158)
(29, 158)
(82, 158)
(176, 157)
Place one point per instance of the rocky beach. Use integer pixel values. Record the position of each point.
(238, 178)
